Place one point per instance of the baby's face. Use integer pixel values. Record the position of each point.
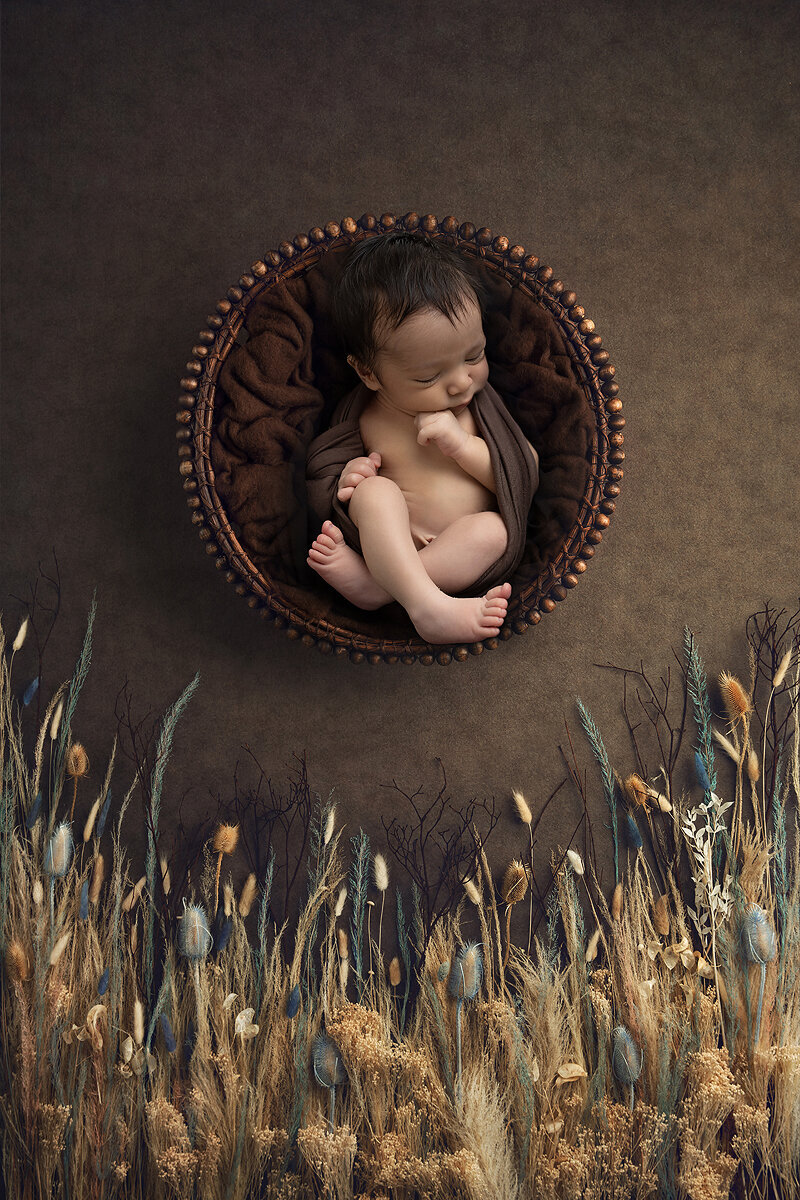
(430, 363)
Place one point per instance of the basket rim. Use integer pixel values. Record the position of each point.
(593, 370)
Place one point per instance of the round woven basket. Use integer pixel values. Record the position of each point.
(590, 365)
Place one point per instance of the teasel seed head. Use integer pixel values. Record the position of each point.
(637, 790)
(783, 667)
(734, 697)
(466, 972)
(577, 861)
(515, 883)
(380, 872)
(249, 893)
(394, 972)
(22, 633)
(56, 721)
(98, 871)
(77, 761)
(194, 936)
(626, 1057)
(329, 825)
(616, 902)
(758, 937)
(661, 916)
(59, 851)
(340, 902)
(225, 839)
(328, 1064)
(18, 964)
(523, 811)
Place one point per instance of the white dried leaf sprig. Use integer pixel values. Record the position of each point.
(702, 826)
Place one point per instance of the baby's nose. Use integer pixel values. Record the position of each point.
(459, 383)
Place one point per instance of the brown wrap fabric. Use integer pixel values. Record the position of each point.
(515, 473)
(279, 389)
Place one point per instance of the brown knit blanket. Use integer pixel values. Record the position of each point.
(515, 472)
(280, 389)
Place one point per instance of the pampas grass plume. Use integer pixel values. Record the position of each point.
(616, 902)
(97, 879)
(138, 1021)
(340, 902)
(56, 721)
(727, 745)
(577, 861)
(661, 916)
(17, 961)
(783, 667)
(59, 851)
(134, 894)
(734, 697)
(380, 872)
(90, 820)
(591, 948)
(394, 972)
(753, 769)
(249, 893)
(166, 882)
(22, 633)
(523, 811)
(60, 947)
(472, 892)
(37, 893)
(344, 950)
(329, 825)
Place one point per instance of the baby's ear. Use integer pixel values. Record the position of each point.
(367, 377)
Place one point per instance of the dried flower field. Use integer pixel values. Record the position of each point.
(166, 1034)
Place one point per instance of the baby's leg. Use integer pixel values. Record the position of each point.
(378, 509)
(453, 560)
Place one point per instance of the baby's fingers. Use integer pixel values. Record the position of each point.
(344, 493)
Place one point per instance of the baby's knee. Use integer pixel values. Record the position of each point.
(375, 492)
(491, 532)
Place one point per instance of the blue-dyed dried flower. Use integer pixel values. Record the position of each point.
(626, 1057)
(328, 1065)
(293, 1003)
(702, 773)
(102, 986)
(194, 936)
(59, 851)
(34, 812)
(467, 972)
(632, 831)
(30, 691)
(758, 937)
(101, 820)
(169, 1036)
(225, 928)
(84, 909)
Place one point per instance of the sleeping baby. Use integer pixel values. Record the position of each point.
(425, 473)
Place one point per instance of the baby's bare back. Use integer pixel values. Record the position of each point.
(436, 489)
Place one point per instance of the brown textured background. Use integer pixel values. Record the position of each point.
(646, 151)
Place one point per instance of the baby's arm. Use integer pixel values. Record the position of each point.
(355, 472)
(469, 451)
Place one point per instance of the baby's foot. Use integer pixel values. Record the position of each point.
(344, 570)
(451, 619)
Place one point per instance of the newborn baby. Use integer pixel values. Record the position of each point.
(423, 522)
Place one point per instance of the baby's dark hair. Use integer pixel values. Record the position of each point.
(389, 277)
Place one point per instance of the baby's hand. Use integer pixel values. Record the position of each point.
(357, 470)
(442, 428)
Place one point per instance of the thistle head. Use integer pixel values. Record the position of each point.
(626, 1057)
(59, 851)
(758, 937)
(466, 972)
(328, 1065)
(194, 935)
